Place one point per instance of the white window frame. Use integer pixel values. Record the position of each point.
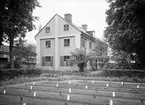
(47, 30)
(48, 44)
(66, 27)
(66, 42)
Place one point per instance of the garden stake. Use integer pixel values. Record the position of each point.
(21, 98)
(122, 83)
(94, 96)
(68, 97)
(34, 95)
(60, 93)
(111, 102)
(141, 101)
(24, 103)
(86, 86)
(113, 94)
(33, 83)
(107, 85)
(69, 82)
(4, 91)
(93, 81)
(57, 85)
(137, 86)
(69, 90)
(31, 87)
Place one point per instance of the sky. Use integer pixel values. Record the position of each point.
(90, 12)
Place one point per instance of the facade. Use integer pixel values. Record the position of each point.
(57, 39)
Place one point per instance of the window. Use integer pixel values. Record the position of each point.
(47, 29)
(47, 61)
(48, 44)
(66, 27)
(66, 42)
(83, 42)
(65, 61)
(90, 45)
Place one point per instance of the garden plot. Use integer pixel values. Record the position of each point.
(74, 92)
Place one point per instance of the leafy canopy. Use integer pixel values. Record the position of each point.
(126, 28)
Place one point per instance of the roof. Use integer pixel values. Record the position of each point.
(4, 48)
(75, 26)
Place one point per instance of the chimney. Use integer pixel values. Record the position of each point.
(84, 26)
(68, 17)
(91, 33)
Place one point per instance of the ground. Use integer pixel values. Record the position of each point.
(83, 92)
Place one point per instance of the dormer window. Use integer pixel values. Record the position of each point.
(47, 29)
(66, 27)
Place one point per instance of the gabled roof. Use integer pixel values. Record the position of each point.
(76, 27)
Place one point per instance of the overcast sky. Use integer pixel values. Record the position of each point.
(90, 12)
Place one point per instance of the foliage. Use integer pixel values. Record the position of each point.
(25, 52)
(80, 57)
(126, 28)
(16, 19)
(99, 54)
(12, 73)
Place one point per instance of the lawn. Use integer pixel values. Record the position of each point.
(79, 92)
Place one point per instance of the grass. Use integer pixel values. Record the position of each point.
(59, 75)
(48, 94)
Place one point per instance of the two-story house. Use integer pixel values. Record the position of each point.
(57, 39)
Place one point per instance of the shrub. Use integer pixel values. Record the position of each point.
(12, 73)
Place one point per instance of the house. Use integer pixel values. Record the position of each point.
(57, 39)
(4, 56)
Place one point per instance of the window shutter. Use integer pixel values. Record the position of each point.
(70, 61)
(61, 60)
(51, 61)
(43, 61)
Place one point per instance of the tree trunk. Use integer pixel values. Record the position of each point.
(2, 7)
(11, 39)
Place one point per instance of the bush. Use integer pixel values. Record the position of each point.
(12, 73)
(122, 73)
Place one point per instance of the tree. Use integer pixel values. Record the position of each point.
(80, 58)
(99, 55)
(126, 28)
(16, 20)
(25, 52)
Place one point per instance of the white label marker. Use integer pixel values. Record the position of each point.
(24, 103)
(93, 81)
(111, 102)
(34, 94)
(31, 87)
(57, 85)
(33, 83)
(113, 94)
(69, 82)
(4, 91)
(69, 90)
(137, 86)
(107, 85)
(68, 97)
(122, 83)
(86, 87)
